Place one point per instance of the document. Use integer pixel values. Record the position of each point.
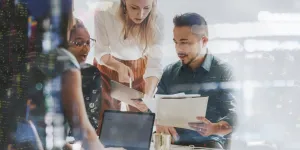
(151, 103)
(176, 96)
(124, 93)
(178, 112)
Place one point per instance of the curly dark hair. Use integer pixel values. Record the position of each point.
(78, 24)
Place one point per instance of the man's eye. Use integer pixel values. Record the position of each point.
(133, 8)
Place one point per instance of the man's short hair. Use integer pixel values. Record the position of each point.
(193, 20)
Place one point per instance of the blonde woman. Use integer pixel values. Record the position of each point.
(129, 37)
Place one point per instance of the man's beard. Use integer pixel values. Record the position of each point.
(196, 56)
(192, 60)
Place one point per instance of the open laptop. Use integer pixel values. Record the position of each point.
(129, 130)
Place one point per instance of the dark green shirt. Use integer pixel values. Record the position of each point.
(214, 79)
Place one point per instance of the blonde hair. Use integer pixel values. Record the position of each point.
(144, 33)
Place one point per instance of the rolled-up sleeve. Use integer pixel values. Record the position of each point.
(102, 42)
(154, 66)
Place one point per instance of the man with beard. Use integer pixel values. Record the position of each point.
(199, 72)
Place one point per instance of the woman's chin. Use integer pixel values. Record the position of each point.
(137, 21)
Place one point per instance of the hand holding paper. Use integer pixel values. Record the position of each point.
(206, 128)
(178, 112)
(124, 93)
(140, 105)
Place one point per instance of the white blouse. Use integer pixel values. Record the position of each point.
(109, 41)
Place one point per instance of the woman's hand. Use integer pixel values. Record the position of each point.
(124, 73)
(68, 146)
(140, 105)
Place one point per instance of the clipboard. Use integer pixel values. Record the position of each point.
(123, 93)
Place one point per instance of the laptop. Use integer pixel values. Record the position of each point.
(129, 130)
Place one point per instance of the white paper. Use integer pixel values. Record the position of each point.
(127, 101)
(124, 93)
(179, 112)
(151, 103)
(169, 96)
(176, 96)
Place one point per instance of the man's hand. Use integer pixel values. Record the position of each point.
(168, 130)
(205, 128)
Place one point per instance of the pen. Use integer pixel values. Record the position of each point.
(130, 83)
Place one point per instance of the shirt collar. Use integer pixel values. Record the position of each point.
(206, 65)
(207, 62)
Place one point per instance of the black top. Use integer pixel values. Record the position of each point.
(91, 88)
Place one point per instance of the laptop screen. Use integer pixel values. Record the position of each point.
(129, 130)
